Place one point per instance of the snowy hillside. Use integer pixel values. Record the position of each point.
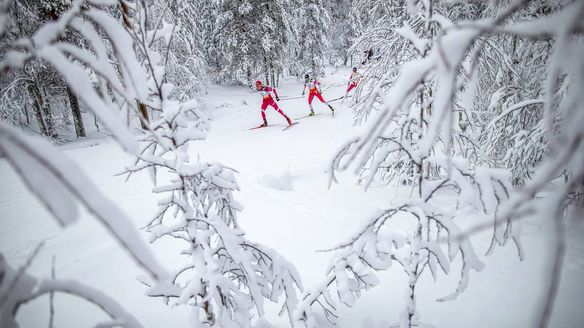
(283, 180)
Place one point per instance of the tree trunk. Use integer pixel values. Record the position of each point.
(95, 122)
(27, 114)
(41, 111)
(142, 109)
(267, 73)
(125, 14)
(248, 76)
(77, 119)
(143, 112)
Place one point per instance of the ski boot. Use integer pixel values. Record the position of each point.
(311, 113)
(289, 121)
(263, 125)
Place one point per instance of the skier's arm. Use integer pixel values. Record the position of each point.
(276, 94)
(304, 89)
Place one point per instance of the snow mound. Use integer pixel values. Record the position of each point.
(279, 181)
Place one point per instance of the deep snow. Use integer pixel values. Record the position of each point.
(287, 206)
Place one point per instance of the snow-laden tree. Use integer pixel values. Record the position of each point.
(53, 178)
(314, 25)
(227, 276)
(34, 96)
(252, 38)
(202, 15)
(185, 67)
(507, 112)
(417, 137)
(342, 32)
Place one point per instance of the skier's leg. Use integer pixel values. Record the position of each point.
(277, 109)
(310, 96)
(319, 96)
(264, 106)
(353, 85)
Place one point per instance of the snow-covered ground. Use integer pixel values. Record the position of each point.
(287, 206)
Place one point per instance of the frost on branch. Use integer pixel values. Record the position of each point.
(18, 288)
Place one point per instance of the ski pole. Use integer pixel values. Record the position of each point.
(289, 98)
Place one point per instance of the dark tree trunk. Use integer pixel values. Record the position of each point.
(27, 115)
(42, 112)
(267, 73)
(95, 122)
(248, 76)
(142, 109)
(77, 119)
(143, 112)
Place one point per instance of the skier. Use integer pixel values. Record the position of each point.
(265, 92)
(354, 79)
(314, 90)
(368, 55)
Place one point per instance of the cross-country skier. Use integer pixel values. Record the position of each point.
(313, 90)
(354, 79)
(265, 92)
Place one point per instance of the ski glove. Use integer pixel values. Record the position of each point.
(277, 98)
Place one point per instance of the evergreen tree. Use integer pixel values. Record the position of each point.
(343, 30)
(252, 38)
(314, 36)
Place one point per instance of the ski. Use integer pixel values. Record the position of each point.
(256, 127)
(303, 117)
(340, 98)
(269, 126)
(289, 126)
(260, 127)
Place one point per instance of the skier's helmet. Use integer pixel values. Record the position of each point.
(354, 69)
(258, 82)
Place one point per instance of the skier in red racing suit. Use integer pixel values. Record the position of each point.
(313, 91)
(353, 80)
(265, 92)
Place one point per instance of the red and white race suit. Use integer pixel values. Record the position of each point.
(353, 80)
(266, 93)
(313, 90)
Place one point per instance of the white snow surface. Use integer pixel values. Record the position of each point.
(287, 206)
